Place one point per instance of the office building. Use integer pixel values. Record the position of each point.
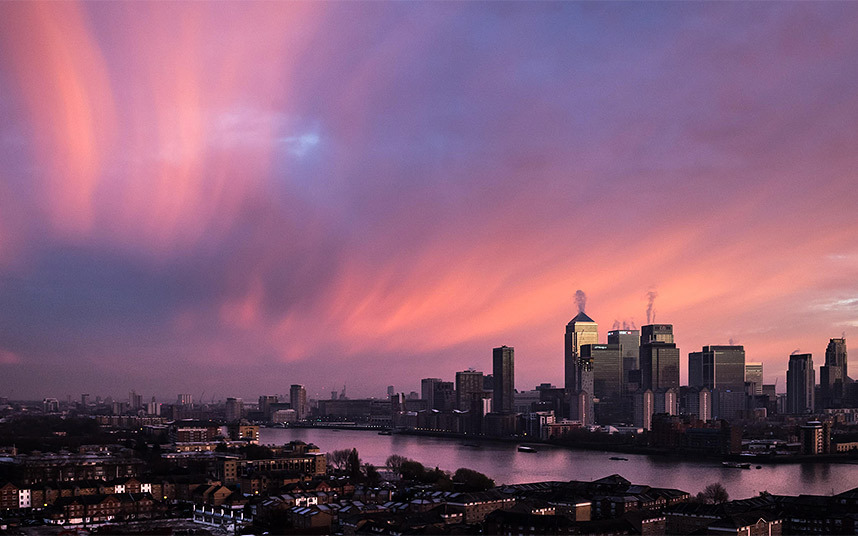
(659, 358)
(298, 399)
(629, 341)
(800, 383)
(657, 333)
(754, 375)
(234, 409)
(580, 330)
(833, 375)
(607, 366)
(717, 367)
(503, 367)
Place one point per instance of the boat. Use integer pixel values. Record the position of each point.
(525, 448)
(385, 432)
(736, 465)
(618, 458)
(474, 445)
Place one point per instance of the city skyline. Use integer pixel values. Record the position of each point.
(242, 197)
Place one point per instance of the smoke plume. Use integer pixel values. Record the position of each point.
(730, 342)
(580, 300)
(616, 325)
(650, 311)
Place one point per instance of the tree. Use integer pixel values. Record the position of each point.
(471, 480)
(372, 476)
(412, 470)
(713, 494)
(395, 461)
(338, 458)
(353, 465)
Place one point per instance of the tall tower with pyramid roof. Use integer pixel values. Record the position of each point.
(580, 330)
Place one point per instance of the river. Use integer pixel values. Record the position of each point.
(506, 465)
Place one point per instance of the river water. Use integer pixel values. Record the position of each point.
(503, 463)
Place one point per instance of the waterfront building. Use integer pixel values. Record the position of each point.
(503, 367)
(469, 386)
(298, 399)
(427, 390)
(234, 409)
(265, 404)
(800, 384)
(816, 437)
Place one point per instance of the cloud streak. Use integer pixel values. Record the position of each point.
(267, 191)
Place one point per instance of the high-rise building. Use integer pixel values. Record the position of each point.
(184, 400)
(503, 368)
(717, 367)
(800, 383)
(298, 399)
(427, 390)
(469, 389)
(657, 333)
(265, 406)
(607, 365)
(444, 398)
(833, 375)
(659, 358)
(754, 374)
(629, 341)
(84, 400)
(391, 390)
(580, 330)
(234, 409)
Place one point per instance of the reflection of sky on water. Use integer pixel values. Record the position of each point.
(505, 464)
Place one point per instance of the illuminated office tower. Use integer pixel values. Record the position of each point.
(754, 374)
(580, 330)
(298, 400)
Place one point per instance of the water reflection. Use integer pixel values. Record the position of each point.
(503, 463)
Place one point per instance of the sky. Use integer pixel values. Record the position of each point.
(227, 198)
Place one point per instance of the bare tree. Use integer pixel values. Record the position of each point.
(395, 461)
(338, 458)
(713, 494)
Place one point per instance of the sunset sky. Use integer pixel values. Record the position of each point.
(234, 197)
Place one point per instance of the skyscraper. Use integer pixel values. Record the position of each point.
(607, 365)
(718, 367)
(754, 374)
(503, 371)
(800, 383)
(469, 388)
(298, 399)
(629, 341)
(833, 375)
(580, 330)
(427, 390)
(234, 409)
(659, 358)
